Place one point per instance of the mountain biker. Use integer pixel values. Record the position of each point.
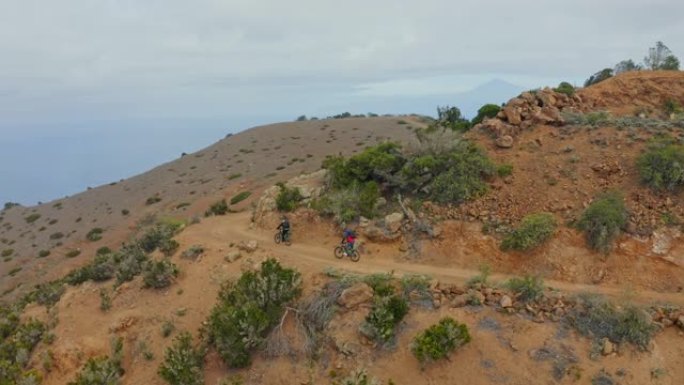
(284, 227)
(349, 237)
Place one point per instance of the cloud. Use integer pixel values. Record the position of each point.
(148, 57)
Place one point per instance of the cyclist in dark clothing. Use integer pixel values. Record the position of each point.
(284, 228)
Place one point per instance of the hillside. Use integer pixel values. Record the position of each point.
(608, 318)
(247, 161)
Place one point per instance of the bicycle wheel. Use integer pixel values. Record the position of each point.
(339, 252)
(355, 256)
(277, 238)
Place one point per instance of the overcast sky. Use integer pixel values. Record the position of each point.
(73, 67)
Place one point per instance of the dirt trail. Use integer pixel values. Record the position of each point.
(309, 253)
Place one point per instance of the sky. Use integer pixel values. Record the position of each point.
(93, 91)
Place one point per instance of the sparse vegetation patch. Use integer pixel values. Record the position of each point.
(603, 221)
(533, 230)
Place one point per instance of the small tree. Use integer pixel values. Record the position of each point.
(301, 118)
(486, 111)
(626, 66)
(565, 88)
(661, 58)
(598, 77)
(450, 117)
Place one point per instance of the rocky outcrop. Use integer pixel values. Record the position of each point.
(310, 186)
(529, 109)
(356, 295)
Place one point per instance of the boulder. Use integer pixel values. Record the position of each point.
(608, 347)
(356, 295)
(505, 141)
(393, 222)
(512, 115)
(376, 234)
(249, 246)
(506, 301)
(549, 115)
(364, 222)
(233, 256)
(460, 300)
(547, 98)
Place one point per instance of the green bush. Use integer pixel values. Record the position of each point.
(288, 198)
(48, 294)
(56, 236)
(249, 308)
(102, 370)
(168, 247)
(159, 274)
(527, 289)
(661, 166)
(32, 218)
(73, 253)
(94, 234)
(386, 313)
(7, 252)
(218, 208)
(534, 230)
(183, 362)
(153, 199)
(103, 250)
(43, 253)
(603, 221)
(439, 340)
(597, 318)
(485, 112)
(240, 197)
(129, 263)
(450, 172)
(565, 88)
(17, 342)
(158, 236)
(503, 170)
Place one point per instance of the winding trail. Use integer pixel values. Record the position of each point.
(312, 254)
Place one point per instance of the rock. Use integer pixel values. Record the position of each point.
(460, 300)
(680, 321)
(512, 115)
(505, 141)
(233, 256)
(608, 347)
(355, 295)
(436, 303)
(662, 240)
(506, 301)
(549, 115)
(497, 128)
(249, 246)
(381, 202)
(364, 222)
(376, 234)
(547, 98)
(476, 298)
(393, 222)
